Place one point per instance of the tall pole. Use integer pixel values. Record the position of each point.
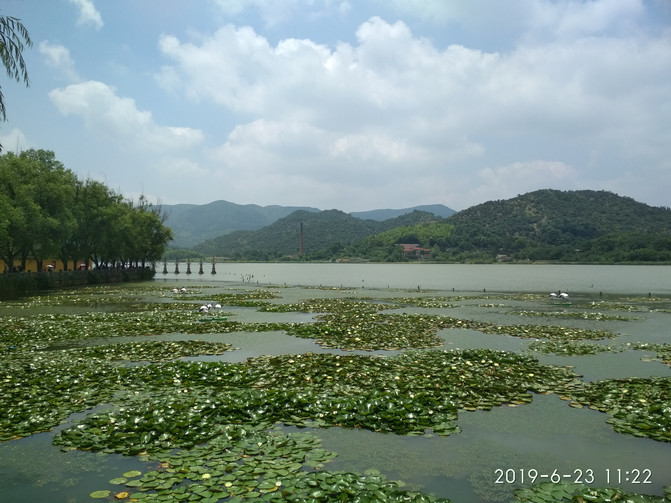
(300, 242)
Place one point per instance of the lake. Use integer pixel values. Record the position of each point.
(633, 279)
(542, 437)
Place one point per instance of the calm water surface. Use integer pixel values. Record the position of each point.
(472, 277)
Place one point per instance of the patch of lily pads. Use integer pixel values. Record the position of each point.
(359, 325)
(149, 351)
(597, 316)
(635, 406)
(581, 493)
(37, 395)
(570, 348)
(186, 403)
(663, 351)
(250, 298)
(29, 333)
(39, 390)
(552, 332)
(255, 462)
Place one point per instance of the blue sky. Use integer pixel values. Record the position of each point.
(353, 105)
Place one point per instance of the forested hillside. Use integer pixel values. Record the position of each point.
(192, 224)
(431, 236)
(546, 225)
(325, 235)
(583, 226)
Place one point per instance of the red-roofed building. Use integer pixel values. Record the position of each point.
(414, 249)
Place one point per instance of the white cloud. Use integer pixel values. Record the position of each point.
(273, 12)
(119, 118)
(395, 103)
(14, 141)
(58, 57)
(88, 14)
(538, 18)
(574, 18)
(503, 182)
(180, 167)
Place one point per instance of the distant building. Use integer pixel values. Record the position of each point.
(413, 249)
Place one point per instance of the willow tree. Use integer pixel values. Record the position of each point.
(14, 38)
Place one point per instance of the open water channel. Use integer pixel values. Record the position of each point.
(495, 449)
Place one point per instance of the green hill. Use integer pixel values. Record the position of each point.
(192, 224)
(439, 210)
(583, 226)
(546, 225)
(431, 236)
(325, 235)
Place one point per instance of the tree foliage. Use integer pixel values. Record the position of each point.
(46, 212)
(384, 247)
(14, 38)
(583, 225)
(326, 234)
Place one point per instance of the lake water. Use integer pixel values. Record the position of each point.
(545, 435)
(472, 277)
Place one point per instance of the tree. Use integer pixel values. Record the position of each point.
(52, 193)
(14, 38)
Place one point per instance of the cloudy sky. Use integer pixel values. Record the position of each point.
(349, 104)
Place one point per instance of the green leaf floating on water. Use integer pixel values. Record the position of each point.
(100, 494)
(568, 492)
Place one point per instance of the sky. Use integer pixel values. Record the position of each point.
(348, 104)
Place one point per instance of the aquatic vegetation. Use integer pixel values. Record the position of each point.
(186, 403)
(353, 306)
(29, 333)
(548, 332)
(251, 298)
(635, 406)
(577, 315)
(357, 324)
(570, 348)
(428, 302)
(622, 305)
(252, 463)
(209, 429)
(352, 331)
(568, 492)
(663, 350)
(150, 351)
(39, 390)
(37, 395)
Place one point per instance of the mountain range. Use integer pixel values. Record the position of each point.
(194, 224)
(546, 225)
